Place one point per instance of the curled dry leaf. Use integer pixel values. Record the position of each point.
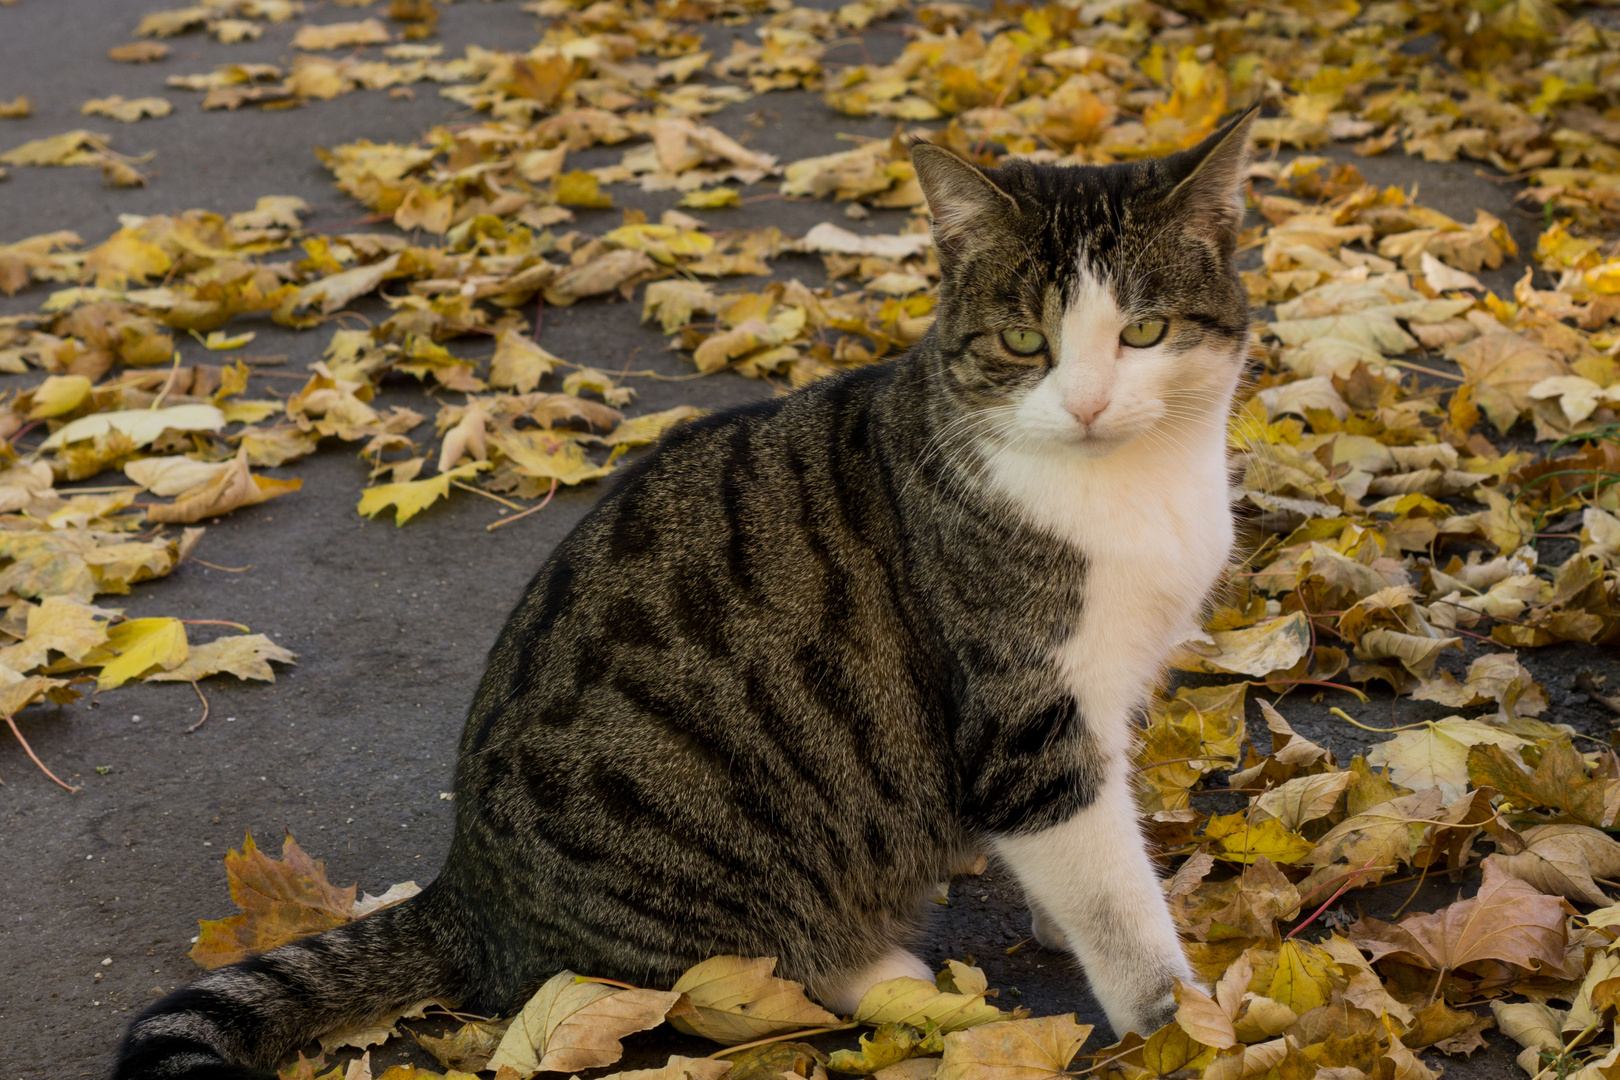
(232, 488)
(1561, 860)
(141, 426)
(570, 1026)
(737, 999)
(468, 1048)
(170, 476)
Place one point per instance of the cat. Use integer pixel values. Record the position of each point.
(809, 654)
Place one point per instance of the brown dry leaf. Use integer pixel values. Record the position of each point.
(281, 901)
(232, 489)
(1506, 920)
(1560, 781)
(1013, 1050)
(737, 999)
(1203, 1018)
(1560, 860)
(468, 1048)
(569, 1026)
(1500, 369)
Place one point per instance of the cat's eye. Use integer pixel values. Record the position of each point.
(1023, 342)
(1143, 334)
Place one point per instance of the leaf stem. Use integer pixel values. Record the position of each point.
(782, 1038)
(1342, 715)
(541, 505)
(30, 750)
(204, 700)
(605, 982)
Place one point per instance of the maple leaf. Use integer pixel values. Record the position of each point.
(281, 901)
(1500, 369)
(678, 1068)
(570, 1026)
(1238, 839)
(59, 624)
(1436, 755)
(1013, 1049)
(1276, 645)
(1559, 781)
(736, 999)
(888, 1045)
(412, 497)
(1505, 920)
(470, 1046)
(247, 656)
(1303, 799)
(519, 364)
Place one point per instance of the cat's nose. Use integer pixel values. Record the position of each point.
(1087, 411)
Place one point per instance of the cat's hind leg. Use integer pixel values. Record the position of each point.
(1090, 880)
(841, 994)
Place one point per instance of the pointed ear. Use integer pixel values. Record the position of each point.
(961, 199)
(1209, 179)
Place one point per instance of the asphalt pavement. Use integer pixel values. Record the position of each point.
(352, 749)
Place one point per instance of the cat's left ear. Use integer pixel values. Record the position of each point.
(1208, 179)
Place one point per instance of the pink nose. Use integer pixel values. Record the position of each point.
(1088, 411)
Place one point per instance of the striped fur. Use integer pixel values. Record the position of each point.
(810, 653)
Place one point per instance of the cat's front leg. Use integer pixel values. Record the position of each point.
(1091, 880)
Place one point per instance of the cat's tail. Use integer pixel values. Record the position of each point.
(235, 1022)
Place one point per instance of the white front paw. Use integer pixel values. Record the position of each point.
(1046, 931)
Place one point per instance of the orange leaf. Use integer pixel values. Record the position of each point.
(281, 901)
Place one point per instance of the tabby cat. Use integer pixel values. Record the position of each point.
(811, 653)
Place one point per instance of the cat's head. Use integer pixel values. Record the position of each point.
(1089, 306)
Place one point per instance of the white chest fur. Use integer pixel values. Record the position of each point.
(1155, 528)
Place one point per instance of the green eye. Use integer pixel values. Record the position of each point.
(1141, 335)
(1023, 342)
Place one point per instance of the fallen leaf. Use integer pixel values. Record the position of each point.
(135, 647)
(737, 999)
(247, 656)
(231, 489)
(412, 497)
(569, 1026)
(281, 901)
(1013, 1050)
(1560, 860)
(141, 426)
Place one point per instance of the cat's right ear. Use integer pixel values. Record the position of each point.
(961, 199)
